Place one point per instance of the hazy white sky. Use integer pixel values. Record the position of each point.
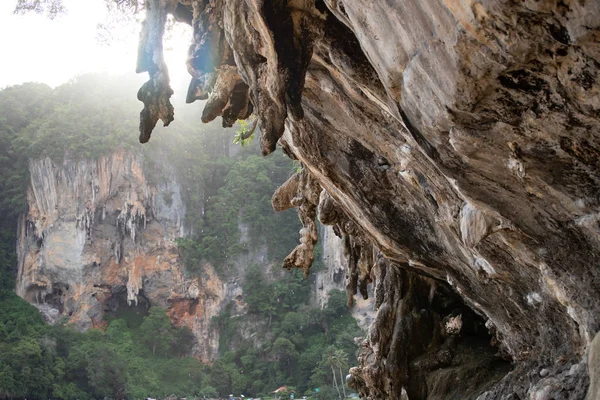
(35, 48)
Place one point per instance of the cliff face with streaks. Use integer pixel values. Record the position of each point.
(99, 237)
(332, 276)
(454, 145)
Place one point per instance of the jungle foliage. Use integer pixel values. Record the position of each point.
(39, 361)
(297, 345)
(225, 187)
(227, 191)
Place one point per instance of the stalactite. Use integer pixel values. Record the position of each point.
(460, 145)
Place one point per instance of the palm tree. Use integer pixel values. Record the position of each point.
(331, 361)
(341, 359)
(337, 359)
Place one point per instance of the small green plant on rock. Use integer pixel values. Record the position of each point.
(245, 134)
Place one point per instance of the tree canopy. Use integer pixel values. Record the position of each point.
(41, 361)
(227, 191)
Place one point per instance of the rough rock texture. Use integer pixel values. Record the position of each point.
(436, 347)
(98, 237)
(459, 140)
(594, 363)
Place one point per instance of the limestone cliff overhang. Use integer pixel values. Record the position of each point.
(459, 140)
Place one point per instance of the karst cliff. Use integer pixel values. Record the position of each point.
(98, 238)
(99, 241)
(453, 145)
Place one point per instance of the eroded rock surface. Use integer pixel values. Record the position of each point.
(99, 237)
(332, 276)
(459, 141)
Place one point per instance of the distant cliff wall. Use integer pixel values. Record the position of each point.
(333, 277)
(99, 235)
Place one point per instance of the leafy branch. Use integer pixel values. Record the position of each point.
(245, 135)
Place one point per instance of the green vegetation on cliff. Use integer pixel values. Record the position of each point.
(94, 115)
(244, 200)
(278, 339)
(296, 344)
(39, 361)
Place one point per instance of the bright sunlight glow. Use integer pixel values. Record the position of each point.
(35, 48)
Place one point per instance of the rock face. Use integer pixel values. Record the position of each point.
(333, 277)
(98, 237)
(457, 144)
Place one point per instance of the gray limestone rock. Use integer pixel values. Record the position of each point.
(460, 142)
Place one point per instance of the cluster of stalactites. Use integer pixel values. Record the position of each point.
(305, 193)
(132, 216)
(251, 57)
(155, 93)
(85, 221)
(300, 191)
(246, 56)
(358, 249)
(211, 64)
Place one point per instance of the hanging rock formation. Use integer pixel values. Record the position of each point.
(98, 237)
(333, 277)
(457, 146)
